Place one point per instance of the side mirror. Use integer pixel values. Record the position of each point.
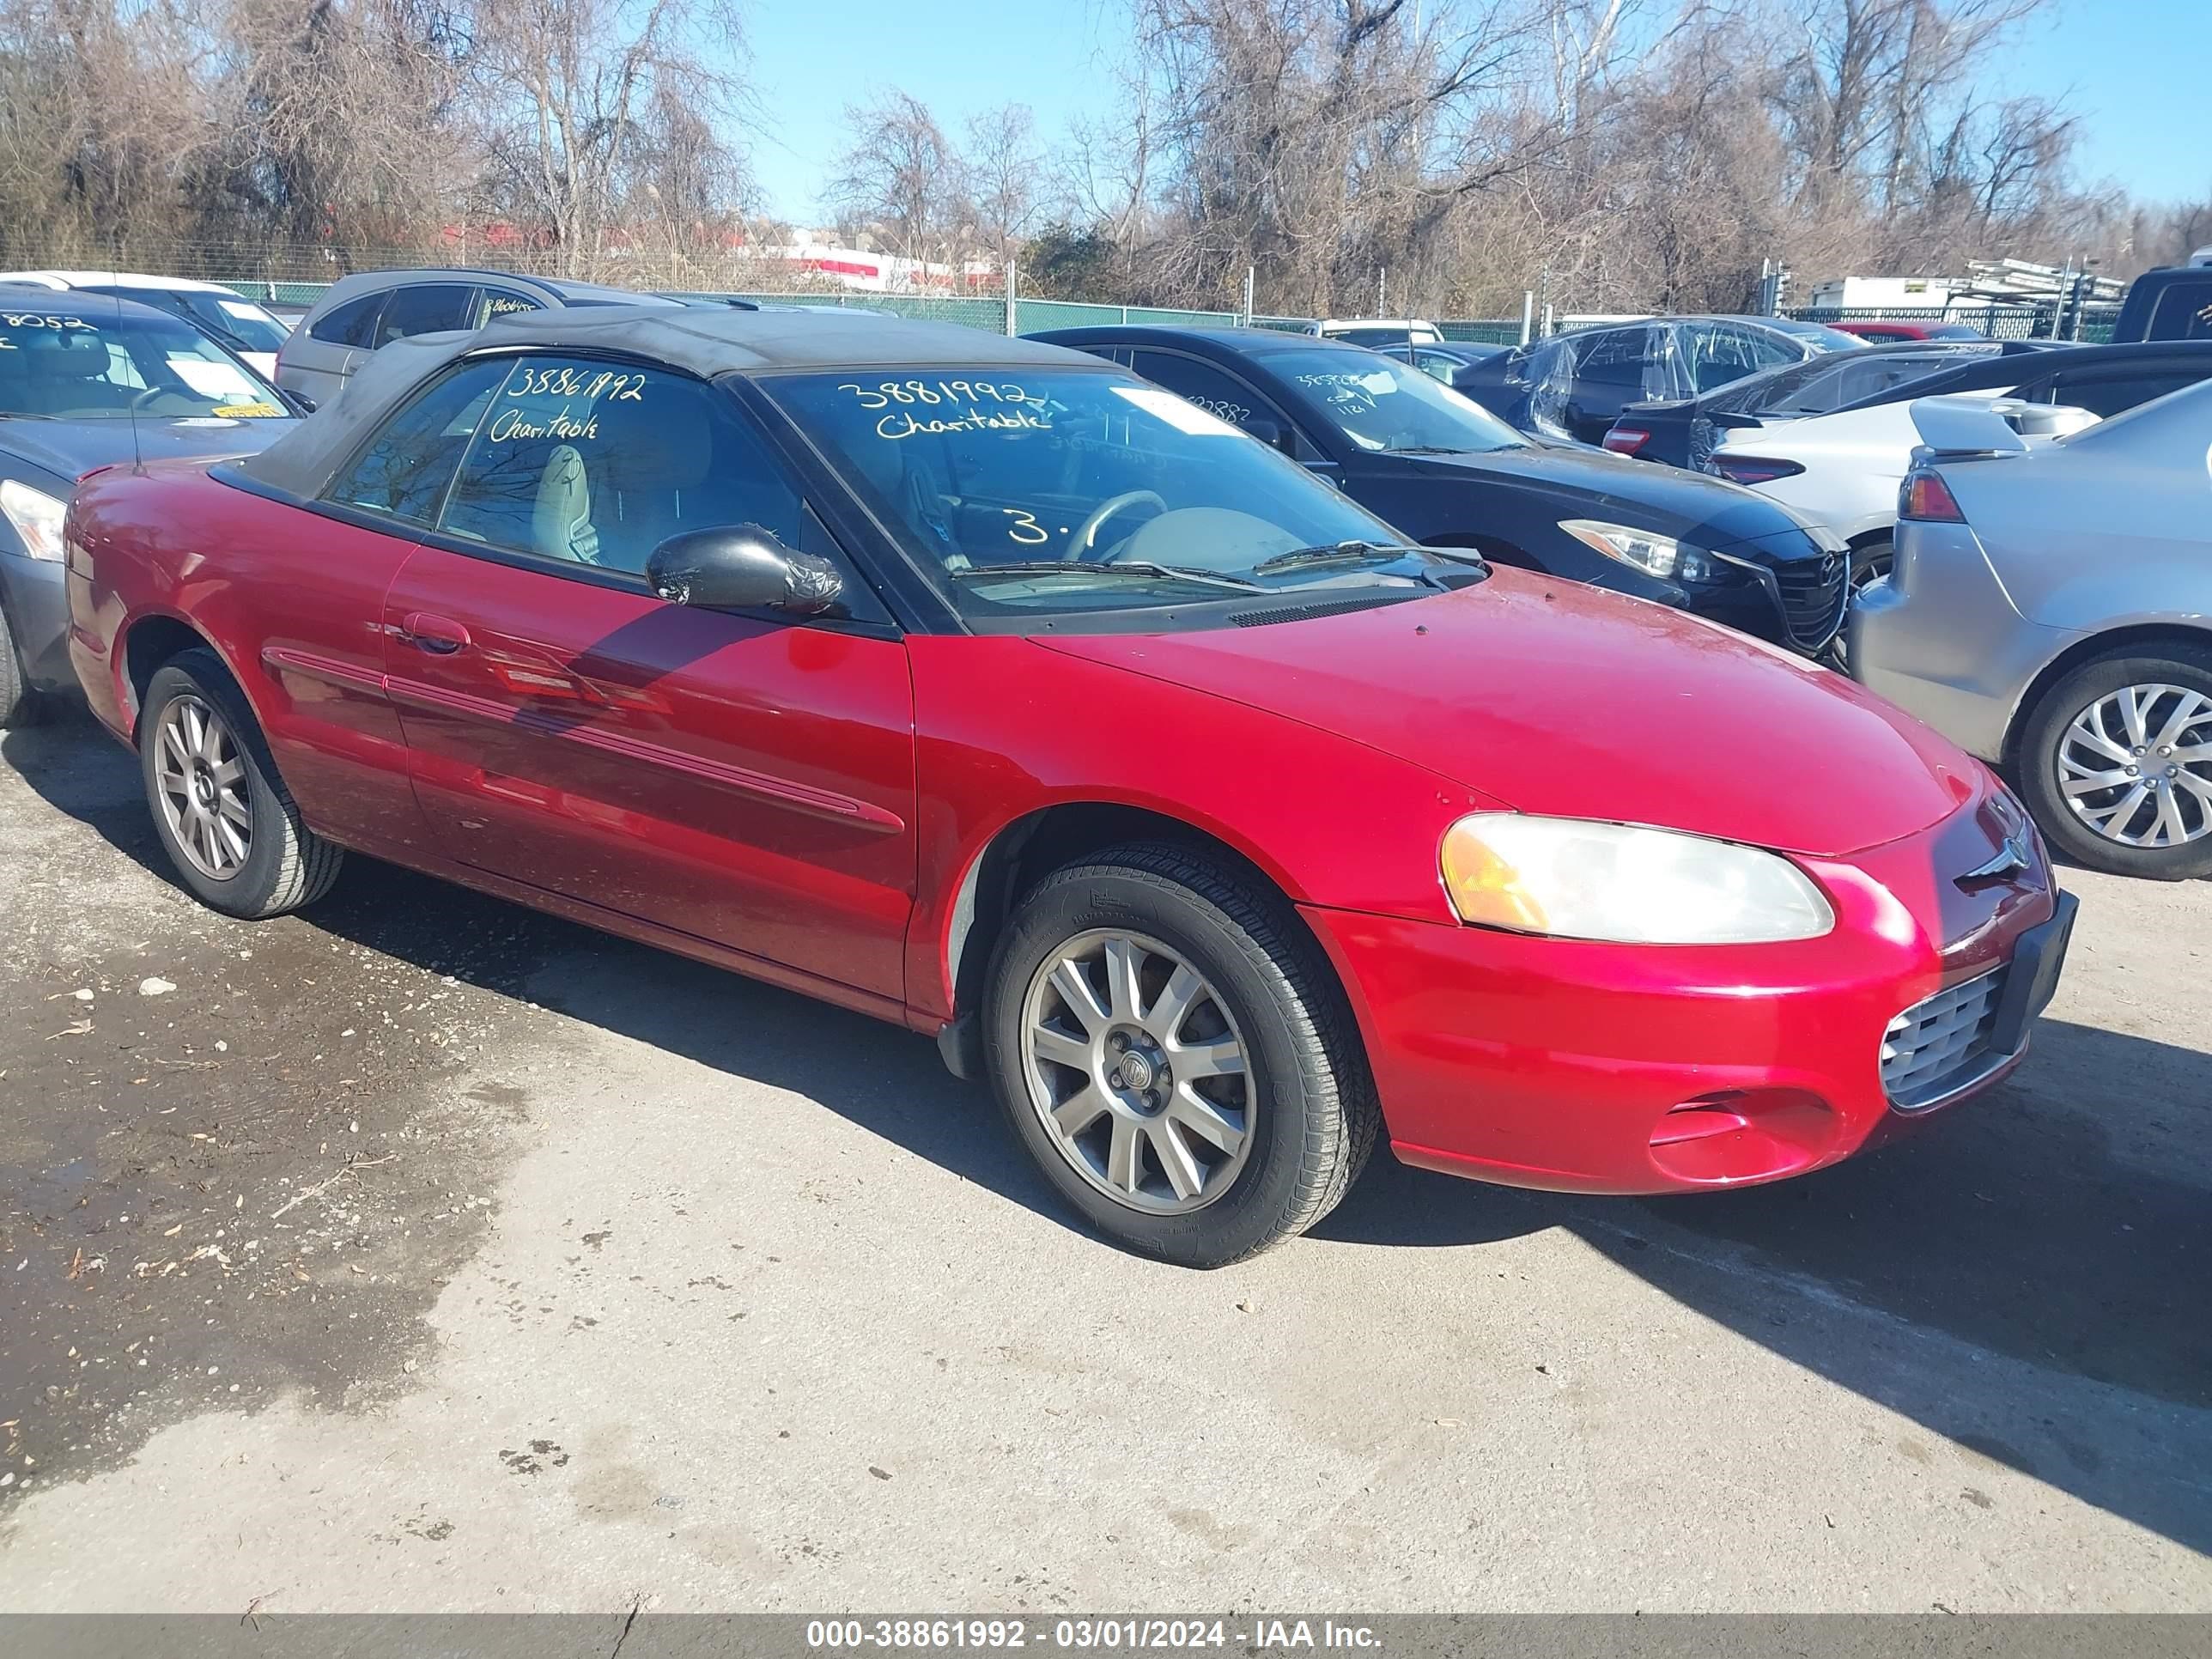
(741, 568)
(301, 403)
(1271, 432)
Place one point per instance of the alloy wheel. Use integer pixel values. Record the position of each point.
(2135, 765)
(200, 781)
(1135, 1067)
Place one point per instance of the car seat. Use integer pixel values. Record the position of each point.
(561, 524)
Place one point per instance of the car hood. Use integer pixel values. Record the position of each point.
(1594, 483)
(72, 448)
(1551, 697)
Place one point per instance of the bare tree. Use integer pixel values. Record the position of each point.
(901, 178)
(1006, 172)
(585, 99)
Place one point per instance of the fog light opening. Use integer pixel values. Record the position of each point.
(1743, 1135)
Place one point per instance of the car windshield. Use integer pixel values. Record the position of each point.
(69, 362)
(1383, 336)
(1821, 336)
(254, 329)
(1053, 490)
(1381, 404)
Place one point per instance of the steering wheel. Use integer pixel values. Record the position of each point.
(1086, 533)
(149, 395)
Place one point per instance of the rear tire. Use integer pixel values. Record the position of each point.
(2114, 713)
(220, 807)
(1218, 1101)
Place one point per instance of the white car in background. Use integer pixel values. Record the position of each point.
(1842, 470)
(222, 314)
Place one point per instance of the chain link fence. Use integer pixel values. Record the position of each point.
(2090, 324)
(298, 276)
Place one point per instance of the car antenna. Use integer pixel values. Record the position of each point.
(138, 456)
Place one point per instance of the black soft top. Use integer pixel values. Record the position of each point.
(702, 342)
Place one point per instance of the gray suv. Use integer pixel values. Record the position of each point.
(362, 312)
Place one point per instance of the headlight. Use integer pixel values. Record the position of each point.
(1576, 878)
(1654, 555)
(37, 518)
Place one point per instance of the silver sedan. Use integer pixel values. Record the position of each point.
(2050, 610)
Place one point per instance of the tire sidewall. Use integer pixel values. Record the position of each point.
(18, 705)
(2038, 765)
(1091, 897)
(246, 892)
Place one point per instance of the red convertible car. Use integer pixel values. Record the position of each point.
(978, 685)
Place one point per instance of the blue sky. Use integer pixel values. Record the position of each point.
(2137, 72)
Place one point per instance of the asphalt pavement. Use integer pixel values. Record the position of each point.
(423, 1252)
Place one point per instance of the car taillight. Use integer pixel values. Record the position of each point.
(1753, 468)
(1926, 497)
(1626, 439)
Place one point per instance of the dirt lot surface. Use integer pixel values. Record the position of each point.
(427, 1254)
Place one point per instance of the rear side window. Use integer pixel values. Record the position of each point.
(2184, 312)
(505, 301)
(353, 324)
(598, 463)
(1632, 360)
(403, 471)
(426, 308)
(2108, 394)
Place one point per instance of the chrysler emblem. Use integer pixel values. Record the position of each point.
(2012, 856)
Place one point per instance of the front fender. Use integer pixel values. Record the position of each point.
(1004, 729)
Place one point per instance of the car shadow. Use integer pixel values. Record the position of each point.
(2061, 1222)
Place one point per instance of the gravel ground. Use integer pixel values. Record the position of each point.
(427, 1254)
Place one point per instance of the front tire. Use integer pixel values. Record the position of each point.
(2115, 764)
(1176, 1055)
(19, 705)
(220, 807)
(1871, 562)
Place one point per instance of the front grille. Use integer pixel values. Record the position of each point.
(1939, 1046)
(1812, 593)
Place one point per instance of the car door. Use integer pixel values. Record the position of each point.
(744, 779)
(319, 610)
(1619, 367)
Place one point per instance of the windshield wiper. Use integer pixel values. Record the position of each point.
(1351, 552)
(25, 415)
(1431, 449)
(1117, 568)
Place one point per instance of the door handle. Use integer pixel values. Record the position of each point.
(440, 635)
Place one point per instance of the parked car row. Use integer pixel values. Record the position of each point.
(992, 687)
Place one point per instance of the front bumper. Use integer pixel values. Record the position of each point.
(1605, 1068)
(1940, 638)
(35, 597)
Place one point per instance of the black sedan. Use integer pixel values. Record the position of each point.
(1683, 431)
(1575, 385)
(86, 382)
(1448, 474)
